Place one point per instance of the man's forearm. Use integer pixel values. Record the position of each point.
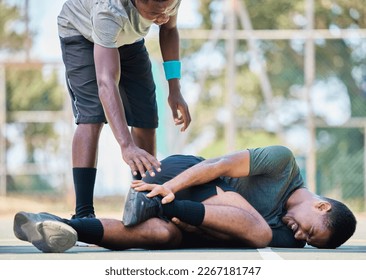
(115, 115)
(169, 43)
(232, 165)
(108, 75)
(198, 174)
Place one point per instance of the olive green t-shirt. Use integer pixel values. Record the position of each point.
(273, 176)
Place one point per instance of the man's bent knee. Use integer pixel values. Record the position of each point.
(166, 234)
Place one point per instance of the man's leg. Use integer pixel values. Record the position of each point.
(84, 160)
(152, 234)
(112, 234)
(225, 216)
(78, 57)
(229, 216)
(145, 139)
(50, 233)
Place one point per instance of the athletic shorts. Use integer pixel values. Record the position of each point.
(136, 85)
(174, 165)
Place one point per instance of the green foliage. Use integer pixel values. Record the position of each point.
(273, 14)
(339, 164)
(28, 89)
(284, 59)
(11, 38)
(245, 140)
(341, 13)
(29, 185)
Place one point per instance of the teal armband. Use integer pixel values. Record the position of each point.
(172, 69)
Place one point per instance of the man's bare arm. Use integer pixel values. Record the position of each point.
(232, 165)
(108, 73)
(169, 46)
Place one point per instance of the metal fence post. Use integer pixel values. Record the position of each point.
(2, 131)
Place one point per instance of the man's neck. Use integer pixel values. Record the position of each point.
(297, 197)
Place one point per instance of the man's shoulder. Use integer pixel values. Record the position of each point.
(274, 150)
(183, 158)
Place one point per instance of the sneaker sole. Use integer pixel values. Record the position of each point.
(57, 237)
(47, 236)
(128, 218)
(20, 219)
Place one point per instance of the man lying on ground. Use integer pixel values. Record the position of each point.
(274, 209)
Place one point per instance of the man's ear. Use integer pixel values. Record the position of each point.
(323, 206)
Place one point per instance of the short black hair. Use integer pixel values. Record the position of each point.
(341, 222)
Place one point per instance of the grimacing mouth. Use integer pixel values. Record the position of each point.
(291, 224)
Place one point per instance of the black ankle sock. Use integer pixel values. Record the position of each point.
(84, 180)
(90, 230)
(187, 211)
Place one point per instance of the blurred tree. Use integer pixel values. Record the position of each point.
(12, 38)
(284, 58)
(28, 88)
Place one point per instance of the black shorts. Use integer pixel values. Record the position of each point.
(174, 165)
(136, 85)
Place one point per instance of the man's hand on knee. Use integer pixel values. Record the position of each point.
(155, 190)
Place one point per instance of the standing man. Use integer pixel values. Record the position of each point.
(109, 78)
